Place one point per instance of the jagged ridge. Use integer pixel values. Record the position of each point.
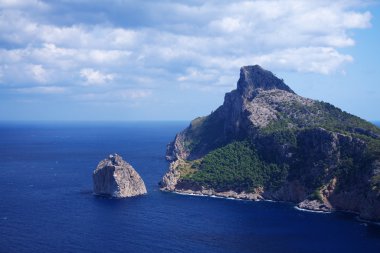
(331, 157)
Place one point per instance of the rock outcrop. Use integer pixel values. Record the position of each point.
(117, 178)
(311, 152)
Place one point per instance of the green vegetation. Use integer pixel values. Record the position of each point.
(334, 119)
(204, 133)
(237, 167)
(277, 125)
(188, 168)
(316, 195)
(295, 115)
(284, 136)
(373, 145)
(195, 130)
(281, 150)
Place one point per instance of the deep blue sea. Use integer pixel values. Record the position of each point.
(46, 204)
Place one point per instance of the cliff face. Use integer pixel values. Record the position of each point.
(115, 177)
(305, 151)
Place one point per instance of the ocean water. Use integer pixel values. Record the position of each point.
(46, 204)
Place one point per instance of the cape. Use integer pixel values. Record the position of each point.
(267, 142)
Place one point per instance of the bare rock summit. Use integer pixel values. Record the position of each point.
(115, 177)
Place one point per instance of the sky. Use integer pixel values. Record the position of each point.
(121, 60)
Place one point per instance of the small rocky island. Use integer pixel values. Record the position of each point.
(267, 142)
(115, 177)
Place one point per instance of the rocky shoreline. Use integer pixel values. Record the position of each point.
(231, 195)
(226, 195)
(312, 206)
(305, 206)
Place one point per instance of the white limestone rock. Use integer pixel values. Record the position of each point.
(117, 178)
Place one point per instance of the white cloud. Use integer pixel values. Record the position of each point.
(42, 90)
(95, 77)
(22, 4)
(357, 20)
(322, 60)
(196, 75)
(187, 44)
(227, 24)
(38, 73)
(134, 94)
(114, 96)
(107, 56)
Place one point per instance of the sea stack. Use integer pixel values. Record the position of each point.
(115, 177)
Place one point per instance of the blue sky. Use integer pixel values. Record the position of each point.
(174, 60)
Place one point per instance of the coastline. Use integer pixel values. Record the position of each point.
(222, 195)
(225, 195)
(197, 194)
(311, 211)
(231, 195)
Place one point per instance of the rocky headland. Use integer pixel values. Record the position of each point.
(267, 142)
(116, 178)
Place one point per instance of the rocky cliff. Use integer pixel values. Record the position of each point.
(115, 177)
(266, 141)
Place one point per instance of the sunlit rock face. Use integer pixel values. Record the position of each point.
(115, 177)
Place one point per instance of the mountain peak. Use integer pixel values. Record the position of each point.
(255, 77)
(265, 141)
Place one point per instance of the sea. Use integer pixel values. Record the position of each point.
(47, 205)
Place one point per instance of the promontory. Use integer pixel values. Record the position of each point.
(267, 142)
